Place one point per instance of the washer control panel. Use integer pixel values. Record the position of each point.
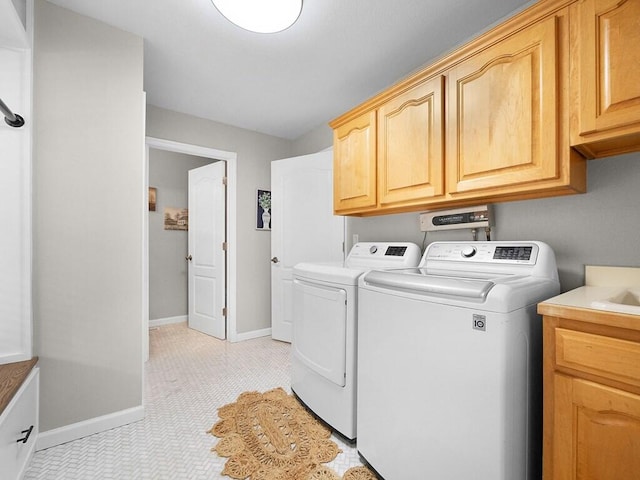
(483, 252)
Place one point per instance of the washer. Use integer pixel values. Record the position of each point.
(323, 361)
(449, 363)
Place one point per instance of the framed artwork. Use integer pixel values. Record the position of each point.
(176, 218)
(153, 193)
(263, 209)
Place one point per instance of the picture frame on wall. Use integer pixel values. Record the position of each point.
(263, 209)
(176, 218)
(153, 195)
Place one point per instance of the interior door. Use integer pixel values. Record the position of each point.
(206, 257)
(303, 228)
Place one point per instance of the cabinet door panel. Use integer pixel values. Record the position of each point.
(606, 426)
(21, 414)
(503, 114)
(410, 145)
(609, 57)
(354, 168)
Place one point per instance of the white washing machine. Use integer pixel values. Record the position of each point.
(449, 363)
(323, 361)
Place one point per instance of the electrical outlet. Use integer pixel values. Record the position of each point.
(355, 238)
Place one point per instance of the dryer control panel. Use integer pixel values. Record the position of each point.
(383, 255)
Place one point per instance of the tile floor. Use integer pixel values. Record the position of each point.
(188, 376)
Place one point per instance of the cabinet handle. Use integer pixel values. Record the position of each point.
(27, 434)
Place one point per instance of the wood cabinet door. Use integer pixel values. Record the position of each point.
(596, 432)
(608, 66)
(354, 167)
(503, 115)
(411, 146)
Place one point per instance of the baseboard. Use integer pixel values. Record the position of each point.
(158, 322)
(65, 434)
(265, 332)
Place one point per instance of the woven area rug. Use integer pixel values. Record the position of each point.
(270, 436)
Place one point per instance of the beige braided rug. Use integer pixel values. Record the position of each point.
(270, 436)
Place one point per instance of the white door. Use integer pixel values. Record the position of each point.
(206, 255)
(303, 228)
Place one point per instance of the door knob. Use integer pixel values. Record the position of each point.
(188, 258)
(274, 260)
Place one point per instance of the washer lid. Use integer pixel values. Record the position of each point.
(431, 284)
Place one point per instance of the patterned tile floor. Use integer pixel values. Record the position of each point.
(188, 376)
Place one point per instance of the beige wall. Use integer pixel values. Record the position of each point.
(600, 227)
(255, 152)
(314, 141)
(169, 174)
(88, 178)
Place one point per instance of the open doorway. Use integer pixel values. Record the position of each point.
(208, 155)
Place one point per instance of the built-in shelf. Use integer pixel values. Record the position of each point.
(12, 376)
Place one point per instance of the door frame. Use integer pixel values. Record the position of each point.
(231, 160)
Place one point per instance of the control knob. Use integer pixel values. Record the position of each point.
(468, 251)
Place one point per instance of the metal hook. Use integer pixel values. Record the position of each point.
(10, 118)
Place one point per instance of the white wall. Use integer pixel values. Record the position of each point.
(169, 174)
(88, 211)
(255, 152)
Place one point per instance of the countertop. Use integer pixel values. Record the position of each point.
(12, 375)
(583, 297)
(578, 305)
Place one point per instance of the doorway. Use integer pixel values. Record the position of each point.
(213, 154)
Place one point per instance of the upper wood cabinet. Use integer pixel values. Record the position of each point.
(391, 157)
(605, 89)
(354, 164)
(505, 115)
(488, 122)
(411, 145)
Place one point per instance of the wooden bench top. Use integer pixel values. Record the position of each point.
(12, 375)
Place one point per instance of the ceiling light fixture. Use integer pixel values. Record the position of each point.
(260, 16)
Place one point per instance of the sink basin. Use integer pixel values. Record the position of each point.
(625, 301)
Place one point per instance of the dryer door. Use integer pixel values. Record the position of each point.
(320, 328)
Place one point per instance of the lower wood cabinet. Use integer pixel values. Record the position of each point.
(591, 395)
(19, 428)
(596, 431)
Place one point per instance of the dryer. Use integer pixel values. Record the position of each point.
(325, 311)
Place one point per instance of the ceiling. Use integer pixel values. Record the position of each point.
(337, 55)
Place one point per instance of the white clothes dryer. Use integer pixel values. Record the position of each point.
(323, 360)
(449, 363)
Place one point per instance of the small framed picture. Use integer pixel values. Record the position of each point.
(176, 218)
(263, 209)
(153, 193)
